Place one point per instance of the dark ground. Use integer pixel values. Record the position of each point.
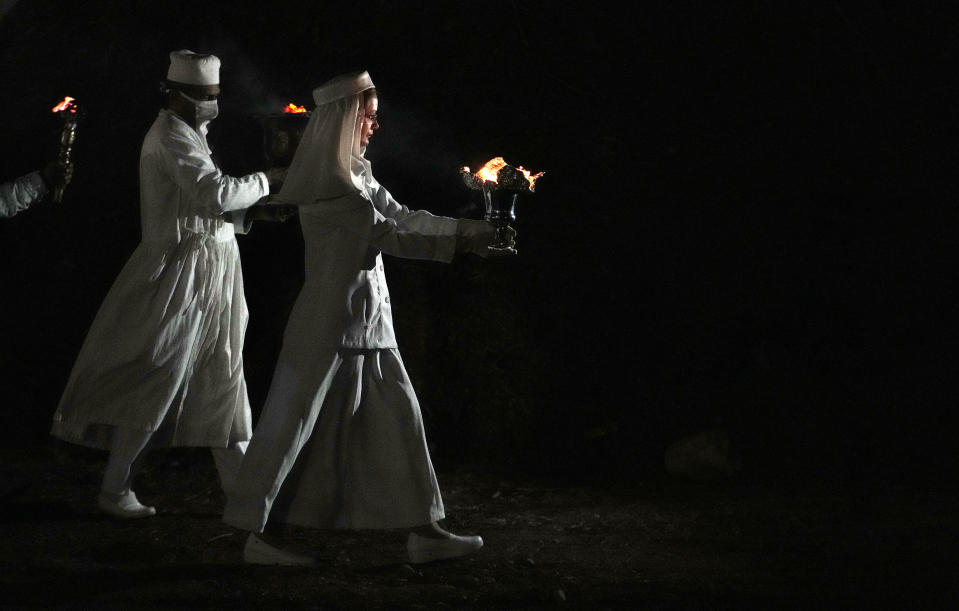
(654, 544)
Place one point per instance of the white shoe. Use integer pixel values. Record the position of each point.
(427, 549)
(258, 551)
(124, 505)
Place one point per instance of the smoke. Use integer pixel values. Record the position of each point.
(421, 151)
(6, 6)
(411, 139)
(246, 86)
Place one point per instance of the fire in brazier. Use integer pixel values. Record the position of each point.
(281, 133)
(500, 183)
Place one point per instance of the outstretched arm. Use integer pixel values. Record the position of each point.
(473, 236)
(434, 238)
(197, 175)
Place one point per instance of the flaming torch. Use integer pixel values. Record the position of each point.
(501, 185)
(69, 111)
(281, 134)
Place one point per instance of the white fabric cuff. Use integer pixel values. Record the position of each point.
(264, 182)
(241, 221)
(35, 185)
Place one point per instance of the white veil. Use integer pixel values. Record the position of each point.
(329, 161)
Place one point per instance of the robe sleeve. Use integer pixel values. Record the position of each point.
(411, 220)
(408, 241)
(18, 195)
(407, 234)
(398, 230)
(196, 174)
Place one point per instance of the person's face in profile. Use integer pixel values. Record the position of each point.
(186, 108)
(369, 124)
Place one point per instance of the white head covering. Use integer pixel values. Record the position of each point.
(192, 68)
(329, 161)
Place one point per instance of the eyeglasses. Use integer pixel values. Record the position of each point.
(372, 117)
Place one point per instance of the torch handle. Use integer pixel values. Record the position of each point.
(500, 212)
(67, 137)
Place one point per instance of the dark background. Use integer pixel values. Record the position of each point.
(747, 219)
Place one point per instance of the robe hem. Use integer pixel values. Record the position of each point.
(247, 514)
(99, 436)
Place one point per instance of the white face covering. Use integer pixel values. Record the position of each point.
(206, 111)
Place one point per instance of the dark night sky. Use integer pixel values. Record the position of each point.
(747, 218)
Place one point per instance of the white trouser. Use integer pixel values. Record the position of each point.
(129, 447)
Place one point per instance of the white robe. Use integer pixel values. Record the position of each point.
(17, 196)
(341, 431)
(167, 342)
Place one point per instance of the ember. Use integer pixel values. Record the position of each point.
(293, 108)
(497, 174)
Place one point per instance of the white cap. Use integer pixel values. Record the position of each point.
(342, 86)
(192, 68)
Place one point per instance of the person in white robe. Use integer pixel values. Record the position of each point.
(162, 363)
(30, 188)
(340, 441)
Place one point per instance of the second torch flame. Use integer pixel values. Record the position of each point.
(67, 103)
(293, 108)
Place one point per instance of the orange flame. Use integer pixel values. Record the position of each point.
(531, 179)
(65, 104)
(490, 171)
(293, 108)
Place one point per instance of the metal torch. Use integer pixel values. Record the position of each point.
(501, 185)
(69, 111)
